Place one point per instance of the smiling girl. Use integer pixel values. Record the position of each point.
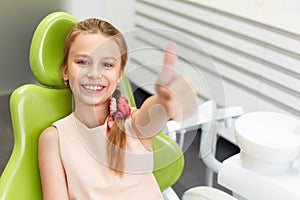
(102, 150)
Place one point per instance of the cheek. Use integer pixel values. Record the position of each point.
(74, 76)
(114, 77)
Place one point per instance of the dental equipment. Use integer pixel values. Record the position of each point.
(268, 165)
(206, 118)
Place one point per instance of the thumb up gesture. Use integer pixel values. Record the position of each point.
(177, 92)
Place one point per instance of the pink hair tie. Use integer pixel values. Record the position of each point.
(119, 109)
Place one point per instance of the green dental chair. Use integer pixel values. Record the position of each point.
(36, 106)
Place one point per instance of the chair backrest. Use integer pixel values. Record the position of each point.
(35, 107)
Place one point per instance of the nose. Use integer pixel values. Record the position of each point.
(95, 72)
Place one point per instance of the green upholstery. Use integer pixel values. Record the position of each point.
(168, 161)
(47, 47)
(32, 108)
(35, 107)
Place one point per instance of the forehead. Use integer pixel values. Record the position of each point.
(95, 44)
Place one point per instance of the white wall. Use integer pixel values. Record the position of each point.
(119, 13)
(86, 9)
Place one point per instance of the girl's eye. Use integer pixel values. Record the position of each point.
(107, 65)
(83, 62)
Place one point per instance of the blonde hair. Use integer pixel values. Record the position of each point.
(116, 134)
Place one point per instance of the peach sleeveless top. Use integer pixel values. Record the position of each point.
(83, 155)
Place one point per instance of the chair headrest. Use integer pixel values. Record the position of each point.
(46, 51)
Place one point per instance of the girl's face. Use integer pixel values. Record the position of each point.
(93, 69)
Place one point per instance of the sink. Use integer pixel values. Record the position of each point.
(269, 141)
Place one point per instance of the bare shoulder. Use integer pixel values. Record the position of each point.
(50, 165)
(48, 136)
(48, 148)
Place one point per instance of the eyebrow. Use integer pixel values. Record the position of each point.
(110, 57)
(82, 55)
(87, 56)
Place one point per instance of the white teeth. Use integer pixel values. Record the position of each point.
(92, 87)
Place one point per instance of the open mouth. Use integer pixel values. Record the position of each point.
(93, 88)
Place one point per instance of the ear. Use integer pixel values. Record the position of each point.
(65, 72)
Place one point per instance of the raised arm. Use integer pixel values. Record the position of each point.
(175, 99)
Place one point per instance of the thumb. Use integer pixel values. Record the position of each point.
(170, 57)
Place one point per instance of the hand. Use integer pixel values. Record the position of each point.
(177, 93)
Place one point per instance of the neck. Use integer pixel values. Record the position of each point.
(92, 115)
